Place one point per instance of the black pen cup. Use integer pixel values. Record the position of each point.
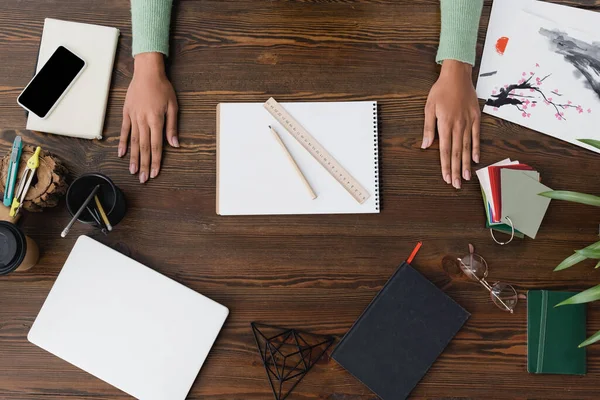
(110, 196)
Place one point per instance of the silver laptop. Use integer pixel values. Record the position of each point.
(127, 324)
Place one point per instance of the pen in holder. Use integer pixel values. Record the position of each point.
(104, 207)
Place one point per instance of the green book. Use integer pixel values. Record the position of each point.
(554, 334)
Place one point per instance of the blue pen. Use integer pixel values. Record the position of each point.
(13, 168)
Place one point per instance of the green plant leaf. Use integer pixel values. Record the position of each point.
(576, 258)
(597, 265)
(591, 142)
(587, 296)
(574, 197)
(595, 254)
(592, 339)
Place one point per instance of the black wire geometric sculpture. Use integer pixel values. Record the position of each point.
(288, 355)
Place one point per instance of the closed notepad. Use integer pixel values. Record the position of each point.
(554, 334)
(80, 113)
(254, 175)
(400, 334)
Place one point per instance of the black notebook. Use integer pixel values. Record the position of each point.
(400, 334)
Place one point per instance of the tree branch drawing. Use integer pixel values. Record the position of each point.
(527, 93)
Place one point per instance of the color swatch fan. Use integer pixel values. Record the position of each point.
(288, 355)
(511, 197)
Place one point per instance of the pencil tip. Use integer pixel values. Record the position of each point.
(270, 127)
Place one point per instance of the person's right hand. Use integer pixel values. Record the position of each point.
(453, 107)
(150, 106)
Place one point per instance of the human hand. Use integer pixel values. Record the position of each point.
(453, 104)
(150, 105)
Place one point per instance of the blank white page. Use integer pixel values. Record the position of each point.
(254, 175)
(127, 324)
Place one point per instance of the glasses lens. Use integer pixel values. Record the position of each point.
(474, 266)
(452, 267)
(504, 296)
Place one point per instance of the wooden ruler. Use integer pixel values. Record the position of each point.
(317, 151)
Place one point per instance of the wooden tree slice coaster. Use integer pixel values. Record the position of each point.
(49, 184)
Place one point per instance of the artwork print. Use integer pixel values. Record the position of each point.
(550, 82)
(504, 31)
(533, 90)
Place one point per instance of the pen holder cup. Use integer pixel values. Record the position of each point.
(111, 197)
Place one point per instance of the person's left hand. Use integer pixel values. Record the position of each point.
(453, 104)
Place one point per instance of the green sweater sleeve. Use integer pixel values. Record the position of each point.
(150, 21)
(460, 23)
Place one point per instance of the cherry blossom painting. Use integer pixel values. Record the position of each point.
(529, 92)
(550, 81)
(505, 31)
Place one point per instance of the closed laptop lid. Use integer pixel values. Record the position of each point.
(127, 324)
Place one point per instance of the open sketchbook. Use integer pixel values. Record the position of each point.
(80, 113)
(254, 176)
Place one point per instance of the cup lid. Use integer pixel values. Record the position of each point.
(13, 247)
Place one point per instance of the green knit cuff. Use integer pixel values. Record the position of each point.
(150, 20)
(460, 24)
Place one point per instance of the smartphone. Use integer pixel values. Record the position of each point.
(48, 86)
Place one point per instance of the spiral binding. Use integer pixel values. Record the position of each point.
(376, 153)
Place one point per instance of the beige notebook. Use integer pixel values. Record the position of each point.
(255, 177)
(80, 113)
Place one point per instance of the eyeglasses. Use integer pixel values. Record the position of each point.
(475, 267)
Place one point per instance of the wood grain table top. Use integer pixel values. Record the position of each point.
(315, 273)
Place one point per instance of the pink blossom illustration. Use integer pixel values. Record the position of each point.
(527, 93)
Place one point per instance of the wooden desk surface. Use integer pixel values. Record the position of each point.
(316, 273)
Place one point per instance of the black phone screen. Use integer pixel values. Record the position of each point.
(51, 82)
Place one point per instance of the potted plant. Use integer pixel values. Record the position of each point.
(591, 252)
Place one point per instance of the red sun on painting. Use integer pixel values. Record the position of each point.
(501, 45)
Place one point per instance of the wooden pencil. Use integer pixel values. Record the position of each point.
(103, 214)
(293, 162)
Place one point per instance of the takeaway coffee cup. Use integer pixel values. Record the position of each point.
(17, 251)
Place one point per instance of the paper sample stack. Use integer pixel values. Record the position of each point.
(510, 193)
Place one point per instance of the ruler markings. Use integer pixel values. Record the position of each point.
(317, 151)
